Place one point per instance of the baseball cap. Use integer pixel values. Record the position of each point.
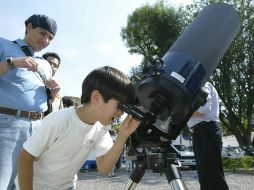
(43, 21)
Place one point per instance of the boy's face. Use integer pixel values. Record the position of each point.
(107, 111)
(37, 38)
(54, 63)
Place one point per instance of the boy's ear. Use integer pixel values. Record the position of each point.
(29, 27)
(95, 97)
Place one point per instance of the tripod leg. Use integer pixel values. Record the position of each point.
(174, 178)
(135, 178)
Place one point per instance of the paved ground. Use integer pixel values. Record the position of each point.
(152, 181)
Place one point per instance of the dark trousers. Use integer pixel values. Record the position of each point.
(207, 145)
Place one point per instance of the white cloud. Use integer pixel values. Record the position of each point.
(71, 53)
(106, 49)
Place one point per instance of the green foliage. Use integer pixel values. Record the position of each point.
(116, 126)
(230, 163)
(244, 162)
(151, 30)
(234, 76)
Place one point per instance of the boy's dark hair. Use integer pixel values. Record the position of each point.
(67, 102)
(111, 83)
(52, 54)
(43, 21)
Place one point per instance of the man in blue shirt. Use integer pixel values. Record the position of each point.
(23, 97)
(207, 142)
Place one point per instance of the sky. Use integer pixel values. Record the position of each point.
(88, 34)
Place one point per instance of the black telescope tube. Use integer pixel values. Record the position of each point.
(208, 37)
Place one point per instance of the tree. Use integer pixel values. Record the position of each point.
(151, 30)
(233, 78)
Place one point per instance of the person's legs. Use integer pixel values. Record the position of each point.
(128, 166)
(13, 133)
(71, 188)
(112, 174)
(131, 162)
(196, 151)
(207, 148)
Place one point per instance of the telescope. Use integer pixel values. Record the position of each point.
(171, 88)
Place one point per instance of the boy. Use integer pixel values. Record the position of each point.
(53, 155)
(54, 61)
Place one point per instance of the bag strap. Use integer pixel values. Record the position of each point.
(27, 51)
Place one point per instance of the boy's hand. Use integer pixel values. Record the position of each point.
(129, 125)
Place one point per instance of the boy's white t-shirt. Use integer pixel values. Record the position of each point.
(61, 145)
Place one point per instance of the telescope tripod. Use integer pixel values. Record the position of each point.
(159, 163)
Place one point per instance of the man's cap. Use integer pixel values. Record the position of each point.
(42, 21)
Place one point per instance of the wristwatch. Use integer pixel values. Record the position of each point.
(10, 62)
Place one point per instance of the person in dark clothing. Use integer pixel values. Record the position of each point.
(207, 142)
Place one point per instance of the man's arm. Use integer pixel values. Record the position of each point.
(106, 162)
(19, 62)
(3, 67)
(25, 170)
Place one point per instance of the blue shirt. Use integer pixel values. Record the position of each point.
(19, 88)
(211, 110)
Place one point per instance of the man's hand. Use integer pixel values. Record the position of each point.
(25, 62)
(54, 87)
